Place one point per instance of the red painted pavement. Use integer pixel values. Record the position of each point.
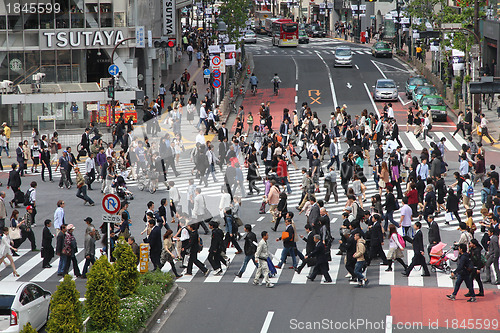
(285, 99)
(430, 307)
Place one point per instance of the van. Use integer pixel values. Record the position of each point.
(343, 56)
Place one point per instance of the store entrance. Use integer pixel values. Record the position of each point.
(97, 65)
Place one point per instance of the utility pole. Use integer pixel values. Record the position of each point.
(475, 98)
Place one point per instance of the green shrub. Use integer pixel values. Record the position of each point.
(65, 316)
(28, 329)
(136, 309)
(102, 302)
(127, 276)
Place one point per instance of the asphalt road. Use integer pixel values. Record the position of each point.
(227, 305)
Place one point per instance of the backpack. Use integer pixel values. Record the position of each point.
(401, 241)
(27, 196)
(470, 190)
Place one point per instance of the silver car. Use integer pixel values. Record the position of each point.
(343, 56)
(20, 303)
(250, 37)
(385, 89)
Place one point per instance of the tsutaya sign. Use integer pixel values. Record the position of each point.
(81, 39)
(169, 18)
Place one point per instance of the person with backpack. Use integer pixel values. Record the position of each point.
(231, 231)
(429, 202)
(30, 200)
(477, 260)
(396, 246)
(462, 273)
(467, 191)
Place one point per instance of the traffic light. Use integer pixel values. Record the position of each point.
(111, 91)
(371, 0)
(164, 43)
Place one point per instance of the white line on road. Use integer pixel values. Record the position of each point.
(260, 218)
(388, 324)
(296, 87)
(356, 66)
(371, 99)
(332, 87)
(296, 99)
(296, 69)
(267, 322)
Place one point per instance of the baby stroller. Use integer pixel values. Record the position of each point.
(121, 189)
(440, 260)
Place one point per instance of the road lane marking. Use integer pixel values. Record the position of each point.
(296, 69)
(356, 66)
(371, 99)
(260, 218)
(388, 324)
(296, 87)
(267, 322)
(332, 87)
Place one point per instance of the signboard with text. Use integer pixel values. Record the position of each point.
(169, 11)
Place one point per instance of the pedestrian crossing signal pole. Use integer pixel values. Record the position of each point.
(111, 94)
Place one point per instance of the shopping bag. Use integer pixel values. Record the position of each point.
(449, 216)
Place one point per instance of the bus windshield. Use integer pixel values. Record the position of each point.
(289, 27)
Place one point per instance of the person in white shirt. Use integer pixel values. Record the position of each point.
(200, 138)
(406, 213)
(59, 216)
(90, 169)
(109, 150)
(484, 130)
(225, 202)
(390, 111)
(199, 208)
(427, 126)
(203, 116)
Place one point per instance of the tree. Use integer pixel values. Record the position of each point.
(102, 301)
(127, 276)
(66, 309)
(28, 329)
(235, 14)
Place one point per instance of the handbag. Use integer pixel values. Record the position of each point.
(238, 221)
(284, 235)
(449, 216)
(14, 233)
(381, 183)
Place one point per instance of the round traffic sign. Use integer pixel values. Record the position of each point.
(113, 70)
(111, 204)
(216, 74)
(216, 83)
(216, 61)
(206, 72)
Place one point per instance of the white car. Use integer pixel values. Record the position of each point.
(23, 302)
(250, 37)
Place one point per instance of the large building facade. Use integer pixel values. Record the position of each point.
(71, 42)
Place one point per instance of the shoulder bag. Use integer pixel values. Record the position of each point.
(14, 233)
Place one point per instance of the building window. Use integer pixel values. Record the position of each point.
(63, 66)
(3, 22)
(92, 15)
(106, 13)
(48, 65)
(32, 60)
(31, 21)
(62, 18)
(76, 13)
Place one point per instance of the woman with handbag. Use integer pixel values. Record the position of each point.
(5, 248)
(168, 252)
(15, 231)
(383, 177)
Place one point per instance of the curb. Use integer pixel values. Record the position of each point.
(155, 318)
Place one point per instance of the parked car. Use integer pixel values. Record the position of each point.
(385, 89)
(382, 49)
(412, 82)
(421, 91)
(438, 107)
(23, 302)
(250, 37)
(303, 38)
(343, 56)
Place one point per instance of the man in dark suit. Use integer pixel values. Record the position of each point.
(346, 173)
(321, 256)
(223, 133)
(154, 240)
(250, 248)
(418, 251)
(395, 133)
(377, 240)
(284, 131)
(314, 215)
(310, 245)
(14, 182)
(170, 159)
(267, 155)
(216, 248)
(194, 248)
(223, 149)
(85, 142)
(434, 236)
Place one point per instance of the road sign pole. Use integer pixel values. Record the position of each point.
(109, 242)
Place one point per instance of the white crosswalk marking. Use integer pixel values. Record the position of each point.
(449, 146)
(276, 260)
(386, 278)
(25, 268)
(414, 279)
(212, 278)
(46, 273)
(443, 280)
(202, 256)
(414, 141)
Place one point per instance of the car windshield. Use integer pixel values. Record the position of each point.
(386, 84)
(302, 33)
(289, 27)
(426, 91)
(5, 304)
(382, 46)
(343, 52)
(417, 81)
(249, 34)
(433, 101)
